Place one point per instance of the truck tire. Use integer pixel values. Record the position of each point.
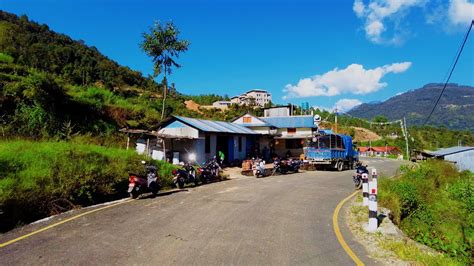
(340, 166)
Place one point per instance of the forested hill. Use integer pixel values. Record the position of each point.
(455, 110)
(52, 86)
(36, 46)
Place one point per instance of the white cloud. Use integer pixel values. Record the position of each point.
(359, 8)
(353, 79)
(378, 12)
(345, 105)
(461, 12)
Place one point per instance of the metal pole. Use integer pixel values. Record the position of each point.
(406, 138)
(148, 147)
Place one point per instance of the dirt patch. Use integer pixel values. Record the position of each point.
(363, 134)
(193, 106)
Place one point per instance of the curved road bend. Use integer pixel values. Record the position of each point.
(277, 220)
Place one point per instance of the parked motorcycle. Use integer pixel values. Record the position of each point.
(214, 167)
(184, 176)
(139, 184)
(357, 178)
(286, 166)
(258, 168)
(205, 174)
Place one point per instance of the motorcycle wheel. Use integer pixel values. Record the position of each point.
(358, 184)
(134, 194)
(180, 184)
(154, 189)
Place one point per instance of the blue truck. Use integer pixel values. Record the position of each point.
(328, 150)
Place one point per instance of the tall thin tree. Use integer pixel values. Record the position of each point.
(162, 44)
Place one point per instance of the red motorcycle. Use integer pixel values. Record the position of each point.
(139, 184)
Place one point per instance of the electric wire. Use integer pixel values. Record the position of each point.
(450, 73)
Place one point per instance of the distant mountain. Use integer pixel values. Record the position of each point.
(455, 110)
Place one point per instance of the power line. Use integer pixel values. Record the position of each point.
(450, 73)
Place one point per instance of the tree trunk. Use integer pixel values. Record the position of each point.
(164, 96)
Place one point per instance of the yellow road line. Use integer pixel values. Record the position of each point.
(338, 232)
(59, 223)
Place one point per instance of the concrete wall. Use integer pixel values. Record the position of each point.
(464, 160)
(178, 128)
(280, 111)
(240, 155)
(255, 120)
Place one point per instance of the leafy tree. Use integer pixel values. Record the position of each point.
(163, 46)
(380, 119)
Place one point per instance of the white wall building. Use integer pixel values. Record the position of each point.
(261, 97)
(463, 157)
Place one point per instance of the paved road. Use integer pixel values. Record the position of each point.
(278, 220)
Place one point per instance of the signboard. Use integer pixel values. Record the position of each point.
(316, 120)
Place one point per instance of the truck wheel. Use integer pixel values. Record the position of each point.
(340, 166)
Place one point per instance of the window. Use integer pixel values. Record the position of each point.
(207, 144)
(291, 130)
(247, 119)
(240, 144)
(293, 144)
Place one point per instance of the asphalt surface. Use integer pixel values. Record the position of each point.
(279, 220)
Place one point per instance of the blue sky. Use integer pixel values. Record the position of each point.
(321, 52)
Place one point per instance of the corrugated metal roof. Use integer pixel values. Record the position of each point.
(256, 125)
(290, 121)
(447, 151)
(215, 126)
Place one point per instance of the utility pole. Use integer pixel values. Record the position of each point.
(335, 120)
(406, 137)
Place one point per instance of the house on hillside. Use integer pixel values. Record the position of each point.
(381, 151)
(221, 104)
(463, 157)
(260, 97)
(280, 134)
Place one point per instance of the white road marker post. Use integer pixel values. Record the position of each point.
(365, 189)
(373, 221)
(374, 176)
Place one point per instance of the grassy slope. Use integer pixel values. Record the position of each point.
(42, 178)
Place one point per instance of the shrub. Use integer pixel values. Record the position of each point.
(433, 204)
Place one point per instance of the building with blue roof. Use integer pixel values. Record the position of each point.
(247, 136)
(281, 134)
(205, 138)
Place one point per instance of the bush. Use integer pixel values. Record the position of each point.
(38, 179)
(434, 205)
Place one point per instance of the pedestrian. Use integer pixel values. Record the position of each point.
(220, 157)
